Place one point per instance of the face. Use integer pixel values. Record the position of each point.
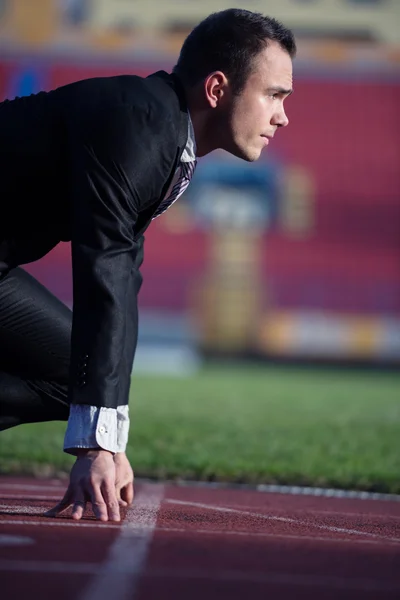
(246, 123)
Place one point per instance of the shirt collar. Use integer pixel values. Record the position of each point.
(189, 153)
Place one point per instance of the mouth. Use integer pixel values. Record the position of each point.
(267, 139)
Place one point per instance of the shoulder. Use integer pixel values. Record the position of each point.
(124, 120)
(100, 96)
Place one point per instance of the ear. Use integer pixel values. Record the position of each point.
(215, 87)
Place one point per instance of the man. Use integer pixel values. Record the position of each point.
(94, 162)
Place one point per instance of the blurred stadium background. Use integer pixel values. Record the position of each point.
(293, 258)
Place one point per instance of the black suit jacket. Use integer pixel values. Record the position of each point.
(90, 162)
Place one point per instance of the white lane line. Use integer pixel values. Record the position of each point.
(127, 558)
(311, 512)
(59, 522)
(31, 487)
(297, 490)
(262, 534)
(11, 509)
(298, 522)
(260, 488)
(370, 515)
(294, 490)
(15, 540)
(30, 497)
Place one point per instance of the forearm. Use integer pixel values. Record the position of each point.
(105, 324)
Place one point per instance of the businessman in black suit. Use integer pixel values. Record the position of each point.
(94, 162)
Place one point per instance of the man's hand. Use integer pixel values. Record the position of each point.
(123, 479)
(93, 479)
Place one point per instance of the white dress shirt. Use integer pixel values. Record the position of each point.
(108, 428)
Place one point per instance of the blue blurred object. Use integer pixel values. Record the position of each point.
(26, 80)
(230, 192)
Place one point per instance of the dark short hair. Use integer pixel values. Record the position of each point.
(229, 41)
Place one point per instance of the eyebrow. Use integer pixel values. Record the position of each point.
(280, 90)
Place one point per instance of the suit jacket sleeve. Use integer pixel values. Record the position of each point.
(110, 170)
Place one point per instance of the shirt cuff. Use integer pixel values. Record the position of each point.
(97, 427)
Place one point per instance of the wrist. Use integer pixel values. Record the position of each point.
(91, 452)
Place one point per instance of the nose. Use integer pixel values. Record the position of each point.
(280, 119)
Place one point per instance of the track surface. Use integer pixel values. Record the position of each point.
(199, 543)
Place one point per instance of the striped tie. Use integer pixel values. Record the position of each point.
(186, 174)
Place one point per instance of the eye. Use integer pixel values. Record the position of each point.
(274, 96)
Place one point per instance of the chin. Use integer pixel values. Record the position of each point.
(248, 154)
(251, 155)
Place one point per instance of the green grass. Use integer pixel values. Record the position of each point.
(247, 424)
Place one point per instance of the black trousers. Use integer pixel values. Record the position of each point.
(35, 332)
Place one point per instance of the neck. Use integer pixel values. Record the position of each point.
(201, 120)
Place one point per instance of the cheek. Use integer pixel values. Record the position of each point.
(251, 116)
(259, 112)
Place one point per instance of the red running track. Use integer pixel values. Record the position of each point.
(199, 543)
